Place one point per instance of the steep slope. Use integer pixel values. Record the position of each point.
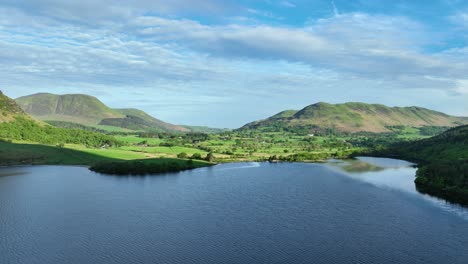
(88, 110)
(15, 124)
(355, 117)
(78, 108)
(284, 114)
(9, 110)
(147, 122)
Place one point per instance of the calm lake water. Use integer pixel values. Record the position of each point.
(364, 211)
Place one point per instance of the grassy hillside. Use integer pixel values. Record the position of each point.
(139, 120)
(354, 117)
(9, 110)
(26, 129)
(108, 162)
(443, 163)
(284, 114)
(23, 140)
(89, 111)
(450, 145)
(77, 108)
(204, 129)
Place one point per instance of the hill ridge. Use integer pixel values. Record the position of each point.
(9, 109)
(354, 117)
(90, 111)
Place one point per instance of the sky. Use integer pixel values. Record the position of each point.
(227, 63)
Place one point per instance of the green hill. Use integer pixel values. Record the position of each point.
(16, 125)
(284, 114)
(77, 108)
(448, 146)
(9, 110)
(354, 117)
(139, 120)
(89, 111)
(443, 163)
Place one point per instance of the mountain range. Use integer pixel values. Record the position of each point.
(354, 117)
(90, 111)
(348, 117)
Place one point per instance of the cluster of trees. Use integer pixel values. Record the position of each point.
(443, 163)
(280, 126)
(197, 156)
(141, 167)
(446, 179)
(310, 156)
(29, 130)
(432, 130)
(64, 124)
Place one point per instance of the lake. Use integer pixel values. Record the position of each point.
(363, 211)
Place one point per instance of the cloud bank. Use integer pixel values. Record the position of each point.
(129, 52)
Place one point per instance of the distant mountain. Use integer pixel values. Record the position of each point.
(139, 120)
(77, 108)
(284, 114)
(354, 117)
(205, 129)
(9, 110)
(89, 111)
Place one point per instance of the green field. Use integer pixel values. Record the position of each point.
(79, 147)
(112, 128)
(133, 139)
(110, 161)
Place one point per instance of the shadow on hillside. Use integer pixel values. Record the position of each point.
(33, 154)
(12, 154)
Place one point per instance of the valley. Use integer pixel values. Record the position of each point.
(80, 130)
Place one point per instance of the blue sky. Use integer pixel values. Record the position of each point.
(226, 63)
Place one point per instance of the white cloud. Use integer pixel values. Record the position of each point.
(357, 44)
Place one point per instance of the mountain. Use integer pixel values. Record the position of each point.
(139, 120)
(89, 111)
(9, 110)
(354, 117)
(77, 108)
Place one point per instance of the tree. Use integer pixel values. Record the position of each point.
(196, 156)
(210, 157)
(182, 155)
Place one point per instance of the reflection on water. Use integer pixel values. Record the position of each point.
(235, 166)
(391, 174)
(12, 171)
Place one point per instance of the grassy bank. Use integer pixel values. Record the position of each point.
(110, 161)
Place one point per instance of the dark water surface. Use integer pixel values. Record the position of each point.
(340, 212)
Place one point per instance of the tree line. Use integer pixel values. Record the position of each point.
(29, 130)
